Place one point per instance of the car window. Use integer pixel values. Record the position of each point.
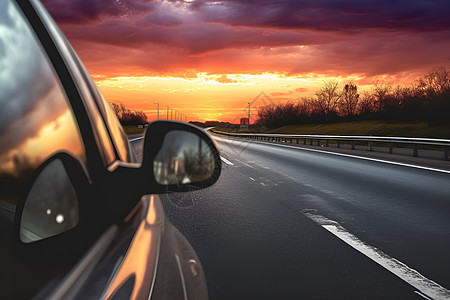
(100, 112)
(36, 119)
(117, 134)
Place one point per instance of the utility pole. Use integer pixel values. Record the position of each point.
(157, 105)
(249, 115)
(167, 113)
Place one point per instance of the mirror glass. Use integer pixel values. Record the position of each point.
(51, 206)
(183, 158)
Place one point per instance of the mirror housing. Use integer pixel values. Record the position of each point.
(178, 157)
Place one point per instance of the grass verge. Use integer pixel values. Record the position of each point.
(376, 128)
(132, 129)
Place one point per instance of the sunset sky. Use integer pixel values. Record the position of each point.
(208, 59)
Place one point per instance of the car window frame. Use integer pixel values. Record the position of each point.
(100, 150)
(93, 98)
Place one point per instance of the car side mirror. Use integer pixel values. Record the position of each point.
(179, 157)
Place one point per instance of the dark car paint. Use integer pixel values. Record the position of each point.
(136, 263)
(122, 230)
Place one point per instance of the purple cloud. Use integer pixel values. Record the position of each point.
(82, 11)
(330, 15)
(236, 36)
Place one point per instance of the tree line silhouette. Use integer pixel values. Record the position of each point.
(129, 117)
(427, 99)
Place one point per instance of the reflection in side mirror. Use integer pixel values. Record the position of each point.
(177, 157)
(51, 205)
(184, 158)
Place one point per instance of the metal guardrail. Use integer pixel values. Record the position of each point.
(370, 140)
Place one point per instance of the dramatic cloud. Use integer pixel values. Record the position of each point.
(84, 12)
(363, 40)
(330, 15)
(294, 37)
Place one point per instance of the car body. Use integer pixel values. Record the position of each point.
(80, 218)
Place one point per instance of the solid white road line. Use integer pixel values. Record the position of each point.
(352, 156)
(245, 164)
(136, 139)
(226, 161)
(407, 274)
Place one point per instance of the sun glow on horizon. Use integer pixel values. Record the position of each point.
(222, 97)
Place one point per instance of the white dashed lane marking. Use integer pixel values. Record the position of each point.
(226, 161)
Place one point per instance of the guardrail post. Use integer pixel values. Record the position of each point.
(415, 150)
(446, 153)
(339, 144)
(310, 142)
(370, 146)
(326, 143)
(390, 148)
(304, 141)
(297, 141)
(353, 145)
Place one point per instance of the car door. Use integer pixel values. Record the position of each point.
(37, 121)
(65, 217)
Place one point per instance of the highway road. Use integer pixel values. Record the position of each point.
(290, 223)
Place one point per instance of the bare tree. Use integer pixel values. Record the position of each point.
(380, 91)
(119, 109)
(435, 83)
(366, 104)
(328, 97)
(128, 117)
(349, 100)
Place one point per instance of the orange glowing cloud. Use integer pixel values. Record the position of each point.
(211, 58)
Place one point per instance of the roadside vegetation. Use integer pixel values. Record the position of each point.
(421, 109)
(133, 129)
(375, 128)
(132, 121)
(426, 101)
(127, 116)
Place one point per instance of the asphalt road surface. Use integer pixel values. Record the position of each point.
(287, 223)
